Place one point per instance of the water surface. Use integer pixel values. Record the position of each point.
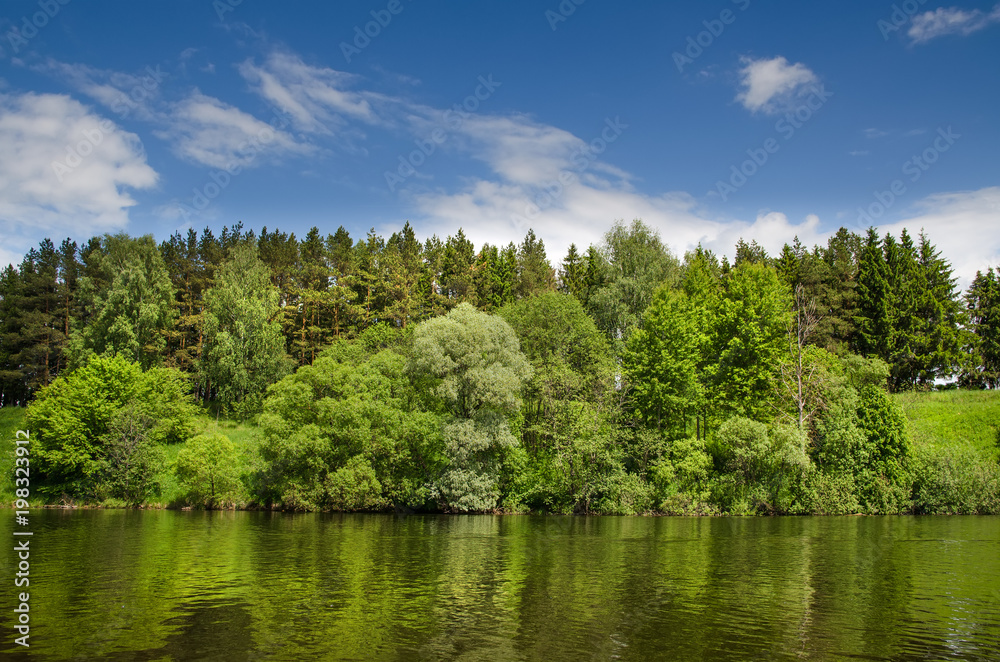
(162, 585)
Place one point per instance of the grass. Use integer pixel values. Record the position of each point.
(954, 418)
(11, 420)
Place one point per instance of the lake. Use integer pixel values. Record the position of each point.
(160, 585)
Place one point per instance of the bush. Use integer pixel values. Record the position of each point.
(831, 493)
(955, 481)
(762, 471)
(679, 478)
(132, 461)
(88, 445)
(209, 469)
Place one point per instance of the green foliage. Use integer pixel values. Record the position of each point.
(882, 461)
(476, 359)
(955, 480)
(348, 432)
(128, 294)
(89, 425)
(750, 324)
(244, 346)
(982, 301)
(761, 471)
(831, 493)
(476, 370)
(414, 410)
(680, 476)
(209, 469)
(633, 262)
(132, 460)
(908, 310)
(662, 361)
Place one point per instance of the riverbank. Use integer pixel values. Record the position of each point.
(950, 431)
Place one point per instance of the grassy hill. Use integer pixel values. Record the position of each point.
(953, 418)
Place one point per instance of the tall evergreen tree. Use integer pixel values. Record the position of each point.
(572, 275)
(535, 274)
(875, 318)
(982, 301)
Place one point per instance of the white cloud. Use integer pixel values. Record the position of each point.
(497, 211)
(962, 225)
(950, 20)
(199, 128)
(316, 98)
(213, 133)
(773, 85)
(86, 193)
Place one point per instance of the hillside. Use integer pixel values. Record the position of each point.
(946, 418)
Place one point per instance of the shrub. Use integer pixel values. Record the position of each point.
(86, 438)
(955, 481)
(208, 468)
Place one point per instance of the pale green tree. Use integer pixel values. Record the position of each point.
(475, 367)
(634, 262)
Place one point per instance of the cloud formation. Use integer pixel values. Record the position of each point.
(64, 170)
(961, 225)
(773, 85)
(207, 131)
(950, 20)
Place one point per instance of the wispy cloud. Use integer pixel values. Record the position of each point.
(950, 20)
(207, 131)
(199, 128)
(773, 85)
(317, 98)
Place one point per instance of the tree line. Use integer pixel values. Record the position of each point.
(394, 373)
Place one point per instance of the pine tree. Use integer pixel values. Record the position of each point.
(875, 318)
(535, 274)
(982, 303)
(573, 273)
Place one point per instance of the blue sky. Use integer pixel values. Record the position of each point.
(709, 121)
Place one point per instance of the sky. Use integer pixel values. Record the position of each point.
(709, 121)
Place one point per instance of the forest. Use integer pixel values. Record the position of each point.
(393, 374)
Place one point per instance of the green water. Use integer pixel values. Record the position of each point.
(161, 585)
